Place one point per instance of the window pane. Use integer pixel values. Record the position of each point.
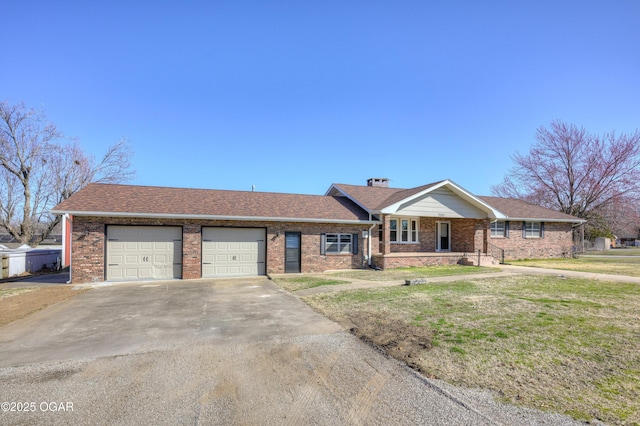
(393, 226)
(332, 243)
(414, 231)
(497, 229)
(345, 243)
(532, 229)
(405, 230)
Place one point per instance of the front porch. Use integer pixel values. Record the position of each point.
(428, 241)
(412, 259)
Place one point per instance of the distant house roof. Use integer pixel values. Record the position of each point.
(147, 201)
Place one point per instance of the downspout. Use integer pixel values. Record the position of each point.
(369, 242)
(68, 241)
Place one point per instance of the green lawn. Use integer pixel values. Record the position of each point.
(565, 345)
(606, 264)
(635, 251)
(414, 272)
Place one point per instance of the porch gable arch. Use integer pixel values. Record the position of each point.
(445, 200)
(441, 203)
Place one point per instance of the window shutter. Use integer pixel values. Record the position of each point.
(323, 244)
(541, 229)
(354, 243)
(506, 229)
(524, 229)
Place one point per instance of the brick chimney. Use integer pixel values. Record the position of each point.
(380, 182)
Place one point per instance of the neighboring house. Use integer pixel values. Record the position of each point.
(124, 232)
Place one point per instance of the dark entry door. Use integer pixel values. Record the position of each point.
(292, 252)
(443, 236)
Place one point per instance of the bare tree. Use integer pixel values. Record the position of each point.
(38, 170)
(593, 177)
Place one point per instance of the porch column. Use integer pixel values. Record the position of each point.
(387, 234)
(482, 234)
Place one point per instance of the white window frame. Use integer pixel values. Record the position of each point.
(496, 232)
(410, 235)
(343, 243)
(533, 229)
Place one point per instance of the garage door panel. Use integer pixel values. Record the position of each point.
(144, 252)
(233, 252)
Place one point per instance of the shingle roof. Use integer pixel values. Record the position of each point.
(520, 209)
(104, 199)
(377, 197)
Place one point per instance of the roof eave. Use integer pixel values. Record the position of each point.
(545, 219)
(212, 217)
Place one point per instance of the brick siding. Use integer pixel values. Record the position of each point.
(466, 235)
(89, 245)
(556, 242)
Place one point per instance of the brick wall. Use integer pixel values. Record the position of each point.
(466, 235)
(89, 245)
(410, 261)
(556, 242)
(87, 251)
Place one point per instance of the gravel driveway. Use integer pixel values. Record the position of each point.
(216, 352)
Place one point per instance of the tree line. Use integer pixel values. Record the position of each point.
(40, 167)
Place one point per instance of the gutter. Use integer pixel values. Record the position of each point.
(545, 219)
(212, 217)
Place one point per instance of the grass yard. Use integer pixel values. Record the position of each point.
(411, 273)
(606, 264)
(628, 251)
(565, 345)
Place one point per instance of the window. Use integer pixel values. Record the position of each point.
(414, 230)
(499, 228)
(403, 230)
(393, 229)
(339, 244)
(533, 230)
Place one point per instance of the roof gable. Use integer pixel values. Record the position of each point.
(393, 200)
(441, 202)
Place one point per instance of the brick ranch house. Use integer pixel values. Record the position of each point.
(126, 232)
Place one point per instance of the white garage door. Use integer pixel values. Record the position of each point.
(144, 252)
(228, 252)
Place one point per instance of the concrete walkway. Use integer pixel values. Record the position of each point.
(506, 270)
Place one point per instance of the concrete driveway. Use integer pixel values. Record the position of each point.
(216, 352)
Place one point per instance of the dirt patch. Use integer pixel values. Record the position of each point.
(18, 304)
(391, 336)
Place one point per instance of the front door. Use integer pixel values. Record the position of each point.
(292, 252)
(443, 236)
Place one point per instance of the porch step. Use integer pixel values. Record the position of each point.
(485, 260)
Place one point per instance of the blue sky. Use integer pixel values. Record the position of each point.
(291, 96)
